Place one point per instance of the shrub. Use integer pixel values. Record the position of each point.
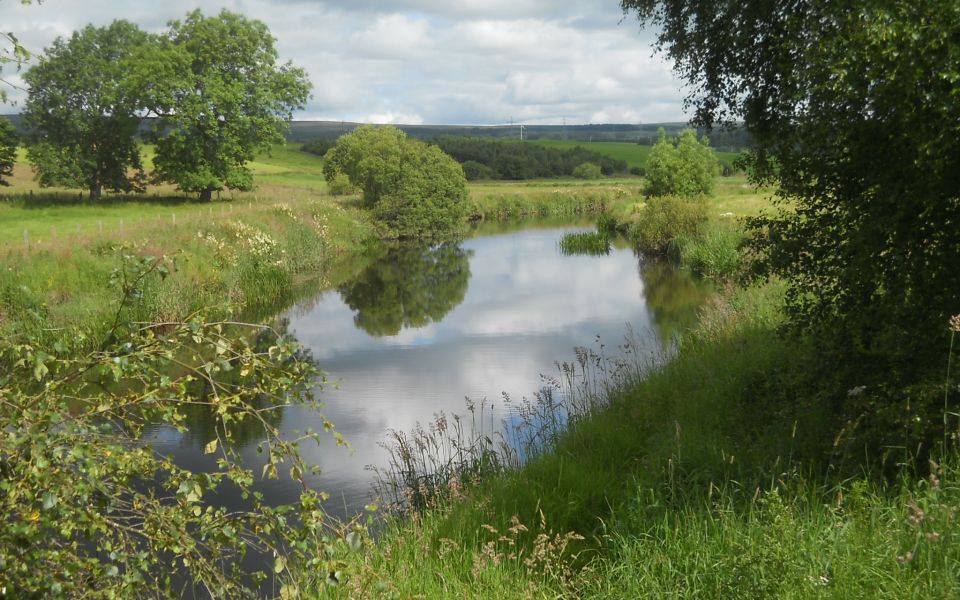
(318, 146)
(665, 218)
(687, 168)
(340, 185)
(587, 171)
(714, 252)
(636, 170)
(415, 190)
(90, 510)
(607, 224)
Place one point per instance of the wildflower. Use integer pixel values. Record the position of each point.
(856, 391)
(955, 323)
(905, 558)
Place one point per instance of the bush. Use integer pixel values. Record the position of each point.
(715, 252)
(318, 146)
(587, 171)
(607, 224)
(636, 171)
(90, 510)
(340, 185)
(665, 218)
(416, 190)
(687, 168)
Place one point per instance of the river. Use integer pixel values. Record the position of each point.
(420, 330)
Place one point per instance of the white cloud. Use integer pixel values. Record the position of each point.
(430, 61)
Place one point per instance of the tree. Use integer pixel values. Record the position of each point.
(8, 149)
(231, 100)
(688, 168)
(415, 189)
(91, 510)
(853, 114)
(84, 109)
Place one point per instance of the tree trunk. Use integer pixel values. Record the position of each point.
(206, 195)
(96, 190)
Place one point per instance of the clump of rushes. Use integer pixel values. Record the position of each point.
(585, 242)
(594, 243)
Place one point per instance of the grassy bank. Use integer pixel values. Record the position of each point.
(718, 473)
(707, 478)
(254, 250)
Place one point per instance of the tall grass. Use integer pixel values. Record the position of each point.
(713, 250)
(697, 478)
(536, 204)
(431, 463)
(257, 258)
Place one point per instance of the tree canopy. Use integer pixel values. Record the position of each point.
(854, 116)
(508, 159)
(687, 167)
(415, 189)
(230, 101)
(85, 106)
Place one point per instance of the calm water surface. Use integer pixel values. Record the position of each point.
(419, 330)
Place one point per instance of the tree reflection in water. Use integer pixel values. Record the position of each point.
(408, 286)
(673, 296)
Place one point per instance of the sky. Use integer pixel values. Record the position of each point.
(470, 62)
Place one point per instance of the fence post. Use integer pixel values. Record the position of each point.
(174, 218)
(26, 240)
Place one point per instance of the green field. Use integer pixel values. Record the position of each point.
(635, 155)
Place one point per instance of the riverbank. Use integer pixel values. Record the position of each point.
(711, 477)
(718, 473)
(257, 251)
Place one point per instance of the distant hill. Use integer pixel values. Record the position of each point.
(645, 134)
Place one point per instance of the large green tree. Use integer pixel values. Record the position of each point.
(85, 109)
(415, 189)
(687, 167)
(230, 101)
(854, 113)
(8, 149)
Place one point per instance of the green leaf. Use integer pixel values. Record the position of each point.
(49, 500)
(279, 565)
(211, 447)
